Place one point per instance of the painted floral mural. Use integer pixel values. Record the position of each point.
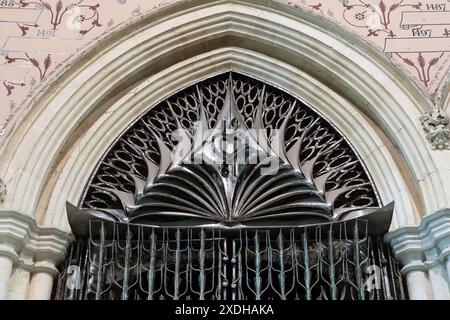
(36, 36)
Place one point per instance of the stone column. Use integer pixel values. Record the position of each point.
(19, 283)
(41, 249)
(420, 250)
(41, 286)
(13, 236)
(437, 274)
(416, 274)
(418, 285)
(43, 274)
(8, 256)
(447, 266)
(6, 265)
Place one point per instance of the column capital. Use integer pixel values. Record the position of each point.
(33, 247)
(427, 242)
(425, 249)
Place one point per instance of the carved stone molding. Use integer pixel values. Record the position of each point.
(2, 191)
(29, 256)
(436, 126)
(29, 242)
(424, 253)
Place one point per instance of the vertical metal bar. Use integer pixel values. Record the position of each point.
(176, 285)
(331, 267)
(281, 275)
(126, 268)
(201, 257)
(240, 296)
(307, 275)
(395, 280)
(151, 269)
(384, 280)
(400, 281)
(233, 271)
(83, 267)
(397, 275)
(187, 268)
(98, 289)
(163, 265)
(391, 276)
(72, 288)
(224, 272)
(359, 280)
(257, 267)
(219, 268)
(87, 267)
(377, 276)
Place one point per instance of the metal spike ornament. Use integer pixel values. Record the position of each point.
(246, 155)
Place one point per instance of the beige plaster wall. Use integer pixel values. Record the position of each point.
(36, 37)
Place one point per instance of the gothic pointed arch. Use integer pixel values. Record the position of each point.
(229, 149)
(81, 98)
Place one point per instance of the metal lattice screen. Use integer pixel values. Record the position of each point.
(332, 262)
(230, 189)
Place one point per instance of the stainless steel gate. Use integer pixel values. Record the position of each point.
(333, 262)
(230, 189)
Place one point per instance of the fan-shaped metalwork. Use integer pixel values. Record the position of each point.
(229, 151)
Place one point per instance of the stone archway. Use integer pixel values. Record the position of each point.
(52, 151)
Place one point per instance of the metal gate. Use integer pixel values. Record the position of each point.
(332, 262)
(230, 189)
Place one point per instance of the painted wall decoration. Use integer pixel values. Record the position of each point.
(36, 36)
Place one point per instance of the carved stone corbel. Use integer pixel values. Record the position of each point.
(435, 123)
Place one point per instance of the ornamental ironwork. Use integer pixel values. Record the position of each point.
(230, 189)
(332, 262)
(230, 151)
